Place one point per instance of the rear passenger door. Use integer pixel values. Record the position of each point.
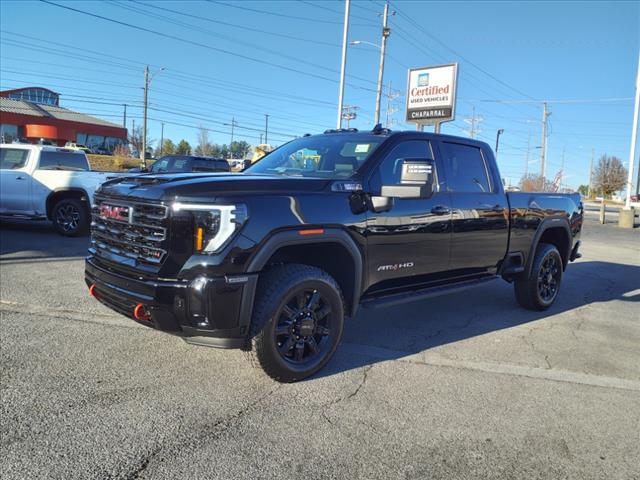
(479, 208)
(15, 181)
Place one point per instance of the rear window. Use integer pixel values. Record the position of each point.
(465, 168)
(50, 160)
(13, 158)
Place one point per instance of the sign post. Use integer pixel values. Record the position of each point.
(431, 95)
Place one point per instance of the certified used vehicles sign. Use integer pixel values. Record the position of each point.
(431, 93)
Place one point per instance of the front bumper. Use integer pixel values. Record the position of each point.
(211, 311)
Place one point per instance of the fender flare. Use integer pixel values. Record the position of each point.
(331, 235)
(546, 224)
(49, 204)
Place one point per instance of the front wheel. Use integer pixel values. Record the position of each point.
(297, 322)
(70, 217)
(539, 290)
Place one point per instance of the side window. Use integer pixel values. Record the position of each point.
(389, 170)
(161, 165)
(466, 168)
(13, 158)
(53, 160)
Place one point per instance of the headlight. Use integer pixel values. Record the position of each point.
(213, 225)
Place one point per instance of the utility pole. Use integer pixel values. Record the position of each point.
(526, 162)
(124, 116)
(391, 96)
(473, 122)
(261, 139)
(143, 153)
(386, 31)
(266, 126)
(543, 150)
(147, 80)
(593, 151)
(345, 39)
(562, 167)
(349, 113)
(161, 138)
(233, 124)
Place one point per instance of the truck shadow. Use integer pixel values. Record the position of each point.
(27, 241)
(378, 335)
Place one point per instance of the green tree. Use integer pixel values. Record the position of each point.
(240, 149)
(183, 148)
(168, 148)
(583, 190)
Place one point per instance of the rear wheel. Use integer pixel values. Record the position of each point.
(539, 290)
(70, 217)
(297, 322)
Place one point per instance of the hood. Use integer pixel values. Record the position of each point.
(207, 186)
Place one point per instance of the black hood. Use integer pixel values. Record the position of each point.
(178, 186)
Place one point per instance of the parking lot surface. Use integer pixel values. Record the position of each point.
(462, 386)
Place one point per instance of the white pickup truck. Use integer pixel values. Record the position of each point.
(43, 182)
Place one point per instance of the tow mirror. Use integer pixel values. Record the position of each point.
(416, 179)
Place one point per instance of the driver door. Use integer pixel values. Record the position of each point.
(410, 241)
(15, 181)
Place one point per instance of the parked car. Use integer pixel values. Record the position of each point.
(44, 182)
(77, 146)
(272, 260)
(101, 151)
(185, 163)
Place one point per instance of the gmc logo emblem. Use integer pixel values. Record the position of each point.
(114, 212)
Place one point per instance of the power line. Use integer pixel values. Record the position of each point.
(198, 44)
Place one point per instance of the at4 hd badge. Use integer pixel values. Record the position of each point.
(395, 266)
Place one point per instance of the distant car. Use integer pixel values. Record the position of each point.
(77, 146)
(101, 151)
(185, 163)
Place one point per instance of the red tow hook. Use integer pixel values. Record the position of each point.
(140, 312)
(92, 290)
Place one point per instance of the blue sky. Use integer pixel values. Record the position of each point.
(244, 59)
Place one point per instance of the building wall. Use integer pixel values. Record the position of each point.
(61, 131)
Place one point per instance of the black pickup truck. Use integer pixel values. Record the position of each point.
(272, 260)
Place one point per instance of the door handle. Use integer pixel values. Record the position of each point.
(440, 210)
(19, 178)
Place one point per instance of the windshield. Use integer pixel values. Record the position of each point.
(323, 156)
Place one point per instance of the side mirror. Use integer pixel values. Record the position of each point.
(416, 179)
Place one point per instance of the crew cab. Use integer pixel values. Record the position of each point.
(186, 163)
(274, 259)
(44, 182)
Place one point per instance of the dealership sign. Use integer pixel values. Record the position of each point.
(431, 94)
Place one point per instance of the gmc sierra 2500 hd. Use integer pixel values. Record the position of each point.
(272, 260)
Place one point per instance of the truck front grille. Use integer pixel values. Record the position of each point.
(134, 230)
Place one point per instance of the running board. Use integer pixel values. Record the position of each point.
(404, 297)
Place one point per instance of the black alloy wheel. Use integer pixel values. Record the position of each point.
(297, 321)
(549, 278)
(539, 289)
(304, 325)
(70, 217)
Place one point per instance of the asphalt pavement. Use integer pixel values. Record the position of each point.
(466, 386)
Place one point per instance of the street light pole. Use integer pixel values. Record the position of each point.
(161, 138)
(345, 35)
(266, 128)
(500, 132)
(386, 31)
(634, 139)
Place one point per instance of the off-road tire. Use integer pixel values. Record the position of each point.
(274, 288)
(64, 209)
(528, 290)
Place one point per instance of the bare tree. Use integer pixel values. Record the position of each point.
(610, 175)
(534, 182)
(204, 148)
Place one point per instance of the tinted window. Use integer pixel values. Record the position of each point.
(323, 156)
(13, 158)
(63, 161)
(389, 171)
(466, 169)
